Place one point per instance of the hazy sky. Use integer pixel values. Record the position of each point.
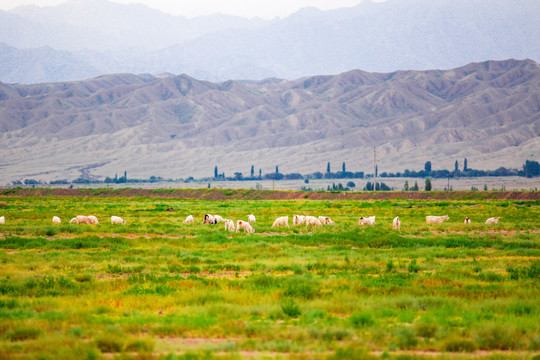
(248, 8)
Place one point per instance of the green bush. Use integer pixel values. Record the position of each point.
(458, 344)
(362, 319)
(291, 309)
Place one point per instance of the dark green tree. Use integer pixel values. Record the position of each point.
(252, 171)
(427, 166)
(216, 172)
(328, 167)
(428, 184)
(456, 166)
(406, 185)
(465, 168)
(415, 187)
(531, 168)
(343, 167)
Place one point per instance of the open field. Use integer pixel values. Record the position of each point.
(158, 288)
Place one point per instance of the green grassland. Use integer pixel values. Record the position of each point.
(158, 288)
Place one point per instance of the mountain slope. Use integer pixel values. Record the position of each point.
(383, 37)
(177, 126)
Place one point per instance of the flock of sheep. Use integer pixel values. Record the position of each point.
(313, 221)
(280, 221)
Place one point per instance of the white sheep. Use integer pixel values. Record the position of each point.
(2, 219)
(218, 219)
(189, 219)
(431, 219)
(82, 219)
(209, 219)
(251, 218)
(493, 220)
(396, 223)
(281, 221)
(94, 219)
(325, 220)
(366, 221)
(117, 220)
(298, 220)
(312, 220)
(241, 224)
(56, 220)
(229, 225)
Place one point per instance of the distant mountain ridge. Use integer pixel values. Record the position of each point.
(98, 37)
(178, 126)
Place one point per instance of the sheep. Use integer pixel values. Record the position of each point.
(251, 218)
(94, 219)
(312, 220)
(209, 219)
(366, 221)
(117, 220)
(281, 221)
(325, 220)
(73, 221)
(218, 219)
(298, 219)
(467, 220)
(229, 225)
(241, 224)
(396, 223)
(2, 219)
(493, 220)
(82, 219)
(189, 219)
(431, 219)
(56, 220)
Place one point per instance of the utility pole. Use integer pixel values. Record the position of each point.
(374, 170)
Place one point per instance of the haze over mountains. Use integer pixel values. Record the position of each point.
(178, 126)
(82, 39)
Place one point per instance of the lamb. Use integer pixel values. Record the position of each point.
(241, 224)
(117, 220)
(298, 219)
(493, 220)
(467, 220)
(325, 220)
(209, 219)
(229, 225)
(94, 219)
(281, 221)
(431, 219)
(56, 220)
(251, 218)
(366, 221)
(189, 219)
(312, 220)
(218, 219)
(396, 223)
(2, 219)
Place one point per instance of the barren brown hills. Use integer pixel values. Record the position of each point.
(177, 126)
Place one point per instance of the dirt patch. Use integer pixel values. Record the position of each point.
(252, 194)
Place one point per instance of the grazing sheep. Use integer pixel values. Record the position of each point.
(117, 220)
(94, 219)
(251, 218)
(189, 219)
(312, 220)
(218, 219)
(82, 219)
(241, 224)
(298, 220)
(366, 221)
(431, 219)
(56, 220)
(2, 219)
(396, 223)
(325, 220)
(208, 219)
(281, 221)
(73, 221)
(467, 220)
(229, 225)
(493, 220)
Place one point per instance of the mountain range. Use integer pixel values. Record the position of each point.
(176, 126)
(81, 39)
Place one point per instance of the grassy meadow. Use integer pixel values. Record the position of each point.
(158, 288)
